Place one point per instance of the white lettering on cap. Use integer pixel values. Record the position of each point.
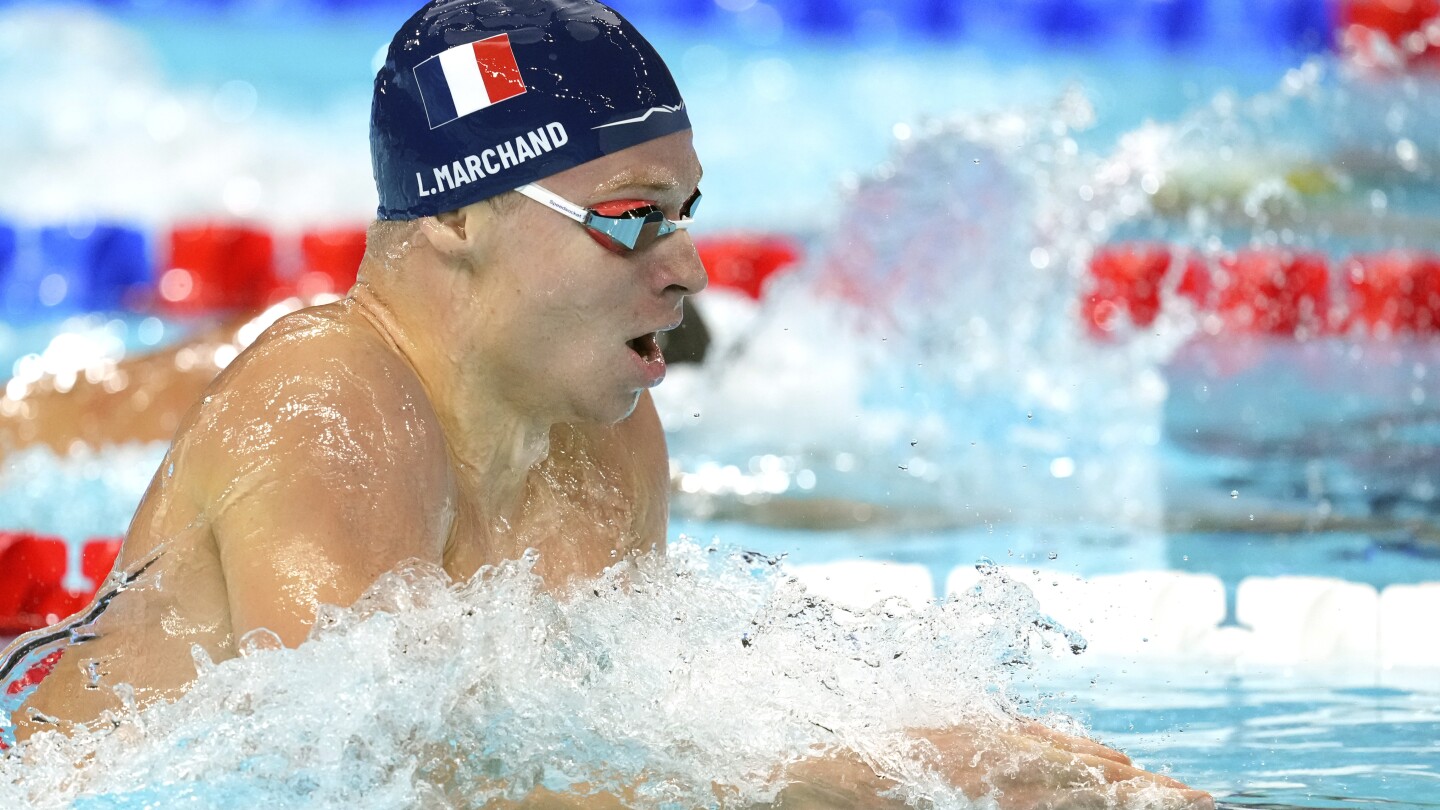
(496, 159)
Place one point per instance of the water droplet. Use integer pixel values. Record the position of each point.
(1234, 493)
(1053, 555)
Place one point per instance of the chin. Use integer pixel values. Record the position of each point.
(607, 411)
(629, 407)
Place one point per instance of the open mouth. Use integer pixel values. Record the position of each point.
(646, 346)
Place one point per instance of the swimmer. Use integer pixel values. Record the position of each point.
(482, 390)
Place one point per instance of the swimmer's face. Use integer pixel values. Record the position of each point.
(569, 323)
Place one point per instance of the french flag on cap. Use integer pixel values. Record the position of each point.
(467, 78)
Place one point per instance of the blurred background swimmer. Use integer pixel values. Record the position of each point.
(482, 391)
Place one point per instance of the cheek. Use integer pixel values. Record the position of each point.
(557, 321)
(566, 299)
(589, 296)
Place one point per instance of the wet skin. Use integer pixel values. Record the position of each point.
(476, 395)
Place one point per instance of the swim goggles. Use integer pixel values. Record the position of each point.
(628, 224)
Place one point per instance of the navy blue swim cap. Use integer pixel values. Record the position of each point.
(477, 97)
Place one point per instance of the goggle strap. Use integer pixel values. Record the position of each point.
(546, 198)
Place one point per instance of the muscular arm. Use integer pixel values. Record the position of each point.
(325, 471)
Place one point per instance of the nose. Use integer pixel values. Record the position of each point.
(680, 271)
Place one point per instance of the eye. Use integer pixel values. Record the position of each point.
(687, 211)
(624, 209)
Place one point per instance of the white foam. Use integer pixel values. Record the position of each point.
(1410, 625)
(1283, 622)
(861, 583)
(1147, 614)
(668, 677)
(1297, 620)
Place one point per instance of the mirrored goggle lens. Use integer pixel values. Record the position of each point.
(633, 229)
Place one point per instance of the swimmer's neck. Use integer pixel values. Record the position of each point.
(493, 445)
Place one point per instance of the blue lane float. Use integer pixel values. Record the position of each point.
(119, 264)
(7, 250)
(58, 269)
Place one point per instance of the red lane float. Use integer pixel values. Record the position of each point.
(745, 262)
(331, 258)
(1273, 292)
(1410, 28)
(1265, 291)
(98, 558)
(1395, 292)
(32, 569)
(32, 579)
(232, 267)
(220, 267)
(216, 267)
(1129, 280)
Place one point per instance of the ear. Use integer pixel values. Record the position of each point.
(462, 235)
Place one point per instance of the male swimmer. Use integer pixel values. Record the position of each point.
(482, 390)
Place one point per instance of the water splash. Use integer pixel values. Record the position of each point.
(671, 678)
(934, 349)
(1337, 159)
(935, 334)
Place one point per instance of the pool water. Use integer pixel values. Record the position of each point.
(1276, 741)
(1241, 528)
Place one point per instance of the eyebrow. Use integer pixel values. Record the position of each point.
(652, 181)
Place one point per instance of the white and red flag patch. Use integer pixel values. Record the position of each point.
(468, 78)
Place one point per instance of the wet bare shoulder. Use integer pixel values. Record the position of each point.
(319, 393)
